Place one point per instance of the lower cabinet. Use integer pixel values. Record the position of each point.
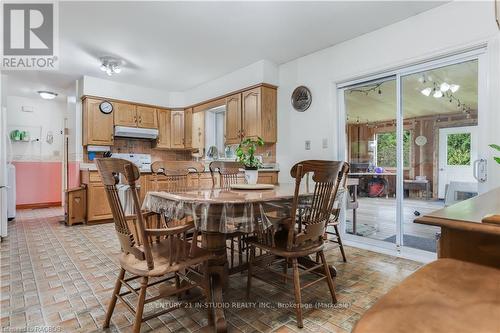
(97, 203)
(269, 177)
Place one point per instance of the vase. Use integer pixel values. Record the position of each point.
(251, 176)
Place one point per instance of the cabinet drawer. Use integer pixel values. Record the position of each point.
(94, 177)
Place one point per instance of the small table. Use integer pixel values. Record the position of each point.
(419, 185)
(219, 212)
(464, 235)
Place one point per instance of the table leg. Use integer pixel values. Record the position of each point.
(218, 276)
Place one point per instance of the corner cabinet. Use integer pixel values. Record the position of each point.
(252, 114)
(97, 126)
(177, 129)
(163, 141)
(188, 128)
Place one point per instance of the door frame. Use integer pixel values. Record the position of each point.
(480, 54)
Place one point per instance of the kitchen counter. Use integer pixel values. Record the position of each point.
(93, 167)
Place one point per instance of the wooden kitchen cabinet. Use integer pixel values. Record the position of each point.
(164, 135)
(125, 114)
(97, 126)
(188, 128)
(198, 131)
(146, 117)
(270, 177)
(177, 129)
(259, 114)
(232, 126)
(98, 208)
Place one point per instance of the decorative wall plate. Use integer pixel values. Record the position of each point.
(301, 98)
(420, 140)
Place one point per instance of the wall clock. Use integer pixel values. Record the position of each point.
(106, 107)
(420, 140)
(301, 98)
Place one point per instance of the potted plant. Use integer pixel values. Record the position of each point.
(497, 147)
(245, 154)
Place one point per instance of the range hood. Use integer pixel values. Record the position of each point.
(136, 132)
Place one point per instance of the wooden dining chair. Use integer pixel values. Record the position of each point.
(153, 262)
(173, 176)
(224, 174)
(301, 237)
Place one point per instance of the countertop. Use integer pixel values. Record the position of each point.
(93, 167)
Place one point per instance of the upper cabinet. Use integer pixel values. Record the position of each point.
(177, 129)
(233, 120)
(198, 130)
(97, 126)
(146, 117)
(251, 114)
(131, 115)
(163, 140)
(125, 114)
(188, 128)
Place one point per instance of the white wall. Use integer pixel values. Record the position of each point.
(447, 28)
(48, 116)
(258, 72)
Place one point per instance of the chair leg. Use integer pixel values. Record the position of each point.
(249, 276)
(298, 298)
(285, 270)
(112, 303)
(140, 305)
(329, 279)
(339, 240)
(208, 294)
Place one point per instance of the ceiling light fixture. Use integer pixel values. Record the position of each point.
(437, 94)
(454, 88)
(444, 87)
(110, 65)
(426, 92)
(47, 94)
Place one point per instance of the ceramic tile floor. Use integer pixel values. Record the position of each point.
(56, 278)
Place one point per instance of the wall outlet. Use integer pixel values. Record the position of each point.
(325, 143)
(308, 144)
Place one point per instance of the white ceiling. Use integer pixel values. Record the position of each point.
(176, 46)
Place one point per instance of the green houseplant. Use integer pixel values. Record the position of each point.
(245, 154)
(497, 147)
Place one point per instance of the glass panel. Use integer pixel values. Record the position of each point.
(458, 149)
(440, 115)
(371, 143)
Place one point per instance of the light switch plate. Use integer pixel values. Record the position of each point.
(325, 143)
(308, 144)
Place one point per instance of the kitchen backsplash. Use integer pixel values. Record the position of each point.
(140, 146)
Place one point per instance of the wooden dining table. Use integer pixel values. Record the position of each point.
(220, 212)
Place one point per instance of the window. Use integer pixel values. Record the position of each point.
(458, 149)
(386, 149)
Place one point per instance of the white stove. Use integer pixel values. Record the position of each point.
(143, 161)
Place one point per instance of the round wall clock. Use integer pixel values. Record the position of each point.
(420, 140)
(106, 107)
(301, 98)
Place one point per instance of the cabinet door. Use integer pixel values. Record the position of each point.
(177, 129)
(268, 178)
(125, 114)
(188, 128)
(198, 130)
(146, 117)
(251, 113)
(97, 203)
(163, 140)
(98, 127)
(233, 119)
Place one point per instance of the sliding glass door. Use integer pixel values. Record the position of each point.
(412, 139)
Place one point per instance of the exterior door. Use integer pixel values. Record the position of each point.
(3, 173)
(457, 153)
